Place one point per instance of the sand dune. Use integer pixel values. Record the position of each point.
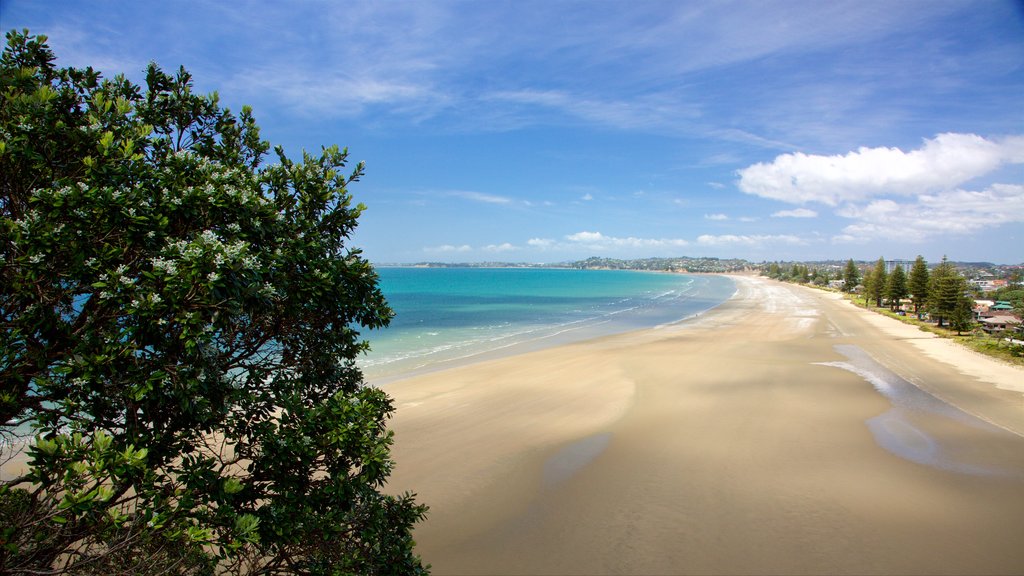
(784, 432)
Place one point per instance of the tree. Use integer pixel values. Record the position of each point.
(896, 288)
(962, 317)
(879, 280)
(869, 286)
(179, 328)
(851, 276)
(945, 291)
(918, 284)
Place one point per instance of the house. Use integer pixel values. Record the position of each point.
(999, 324)
(981, 308)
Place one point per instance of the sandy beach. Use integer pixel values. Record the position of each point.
(784, 432)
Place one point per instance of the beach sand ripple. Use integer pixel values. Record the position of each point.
(786, 431)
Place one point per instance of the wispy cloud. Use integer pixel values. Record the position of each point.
(602, 243)
(449, 248)
(953, 212)
(479, 197)
(716, 217)
(598, 240)
(796, 213)
(641, 112)
(752, 240)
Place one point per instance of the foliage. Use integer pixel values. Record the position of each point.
(180, 323)
(851, 276)
(896, 287)
(879, 281)
(947, 292)
(918, 283)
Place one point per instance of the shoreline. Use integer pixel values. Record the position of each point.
(561, 336)
(745, 441)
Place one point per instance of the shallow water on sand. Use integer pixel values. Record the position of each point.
(454, 315)
(919, 427)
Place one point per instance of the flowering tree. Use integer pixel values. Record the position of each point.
(179, 327)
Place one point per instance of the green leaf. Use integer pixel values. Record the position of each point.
(105, 141)
(232, 486)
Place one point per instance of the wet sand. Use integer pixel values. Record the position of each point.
(785, 432)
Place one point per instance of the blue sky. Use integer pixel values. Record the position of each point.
(557, 130)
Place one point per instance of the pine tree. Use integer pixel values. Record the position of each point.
(878, 281)
(851, 276)
(945, 290)
(896, 289)
(918, 284)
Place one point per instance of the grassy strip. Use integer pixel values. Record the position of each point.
(976, 340)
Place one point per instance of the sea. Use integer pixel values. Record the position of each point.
(446, 317)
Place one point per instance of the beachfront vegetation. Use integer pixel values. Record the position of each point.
(941, 299)
(180, 321)
(851, 276)
(896, 288)
(918, 286)
(875, 282)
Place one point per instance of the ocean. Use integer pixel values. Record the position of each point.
(450, 316)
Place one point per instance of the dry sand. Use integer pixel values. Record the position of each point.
(784, 432)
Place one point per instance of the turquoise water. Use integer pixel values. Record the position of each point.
(447, 316)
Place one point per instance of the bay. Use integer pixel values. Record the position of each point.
(451, 316)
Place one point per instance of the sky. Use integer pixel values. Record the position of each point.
(556, 130)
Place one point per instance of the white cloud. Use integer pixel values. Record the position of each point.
(643, 112)
(796, 213)
(596, 240)
(747, 240)
(715, 217)
(588, 197)
(448, 248)
(952, 212)
(504, 247)
(480, 197)
(599, 242)
(942, 163)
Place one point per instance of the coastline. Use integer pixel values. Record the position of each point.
(743, 441)
(533, 333)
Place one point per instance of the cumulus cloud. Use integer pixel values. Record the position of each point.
(504, 247)
(747, 240)
(796, 213)
(600, 242)
(941, 163)
(446, 248)
(952, 212)
(891, 194)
